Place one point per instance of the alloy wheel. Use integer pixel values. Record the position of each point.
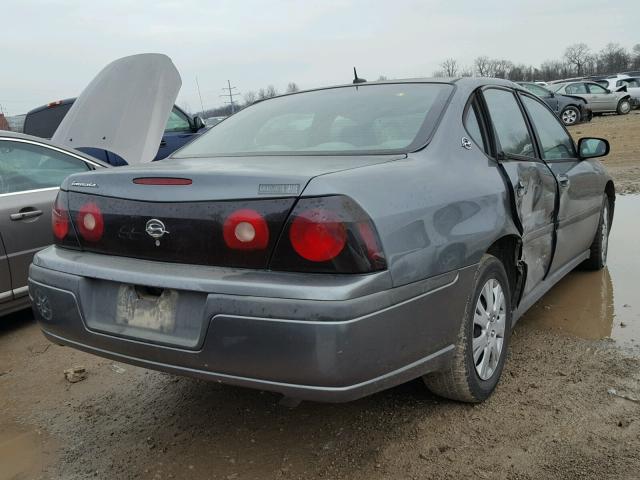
(489, 323)
(569, 117)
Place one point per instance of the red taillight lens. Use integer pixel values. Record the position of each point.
(331, 234)
(59, 219)
(90, 222)
(246, 229)
(317, 235)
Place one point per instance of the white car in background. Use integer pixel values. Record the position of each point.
(599, 98)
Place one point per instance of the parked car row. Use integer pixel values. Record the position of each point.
(571, 109)
(617, 93)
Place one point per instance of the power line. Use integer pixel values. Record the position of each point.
(230, 93)
(200, 95)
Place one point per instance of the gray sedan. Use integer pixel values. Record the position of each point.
(331, 243)
(600, 99)
(31, 171)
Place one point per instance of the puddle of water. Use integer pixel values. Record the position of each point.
(23, 453)
(604, 304)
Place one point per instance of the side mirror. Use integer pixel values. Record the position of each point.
(592, 148)
(623, 88)
(197, 123)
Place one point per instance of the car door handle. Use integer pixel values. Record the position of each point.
(564, 181)
(25, 215)
(521, 188)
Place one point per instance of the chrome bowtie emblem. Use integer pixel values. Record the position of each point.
(466, 143)
(156, 229)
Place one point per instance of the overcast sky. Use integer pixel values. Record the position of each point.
(52, 49)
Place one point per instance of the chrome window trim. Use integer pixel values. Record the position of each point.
(57, 149)
(29, 191)
(51, 147)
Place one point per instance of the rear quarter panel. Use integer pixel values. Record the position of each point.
(436, 211)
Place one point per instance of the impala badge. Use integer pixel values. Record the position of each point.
(156, 229)
(466, 143)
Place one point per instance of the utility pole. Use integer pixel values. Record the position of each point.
(200, 95)
(230, 93)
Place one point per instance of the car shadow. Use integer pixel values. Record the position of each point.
(16, 321)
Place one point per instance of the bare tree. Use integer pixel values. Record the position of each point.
(577, 55)
(271, 91)
(292, 87)
(450, 67)
(250, 97)
(635, 61)
(501, 68)
(466, 72)
(382, 78)
(613, 58)
(481, 65)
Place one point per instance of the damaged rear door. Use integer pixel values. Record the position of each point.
(533, 185)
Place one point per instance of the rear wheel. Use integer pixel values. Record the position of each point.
(570, 116)
(624, 106)
(600, 246)
(483, 339)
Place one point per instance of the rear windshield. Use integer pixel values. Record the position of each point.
(43, 123)
(382, 118)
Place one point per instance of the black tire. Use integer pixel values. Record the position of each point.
(624, 106)
(570, 116)
(600, 246)
(460, 379)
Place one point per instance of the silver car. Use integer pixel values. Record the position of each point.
(599, 98)
(31, 170)
(331, 243)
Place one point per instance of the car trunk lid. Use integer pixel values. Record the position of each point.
(188, 221)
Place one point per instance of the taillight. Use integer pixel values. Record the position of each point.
(59, 219)
(90, 222)
(246, 229)
(330, 234)
(317, 235)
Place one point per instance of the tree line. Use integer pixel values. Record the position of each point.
(578, 60)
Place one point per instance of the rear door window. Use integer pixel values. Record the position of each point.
(509, 124)
(24, 166)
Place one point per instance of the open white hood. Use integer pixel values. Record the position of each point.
(124, 109)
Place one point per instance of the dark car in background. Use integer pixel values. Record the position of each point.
(181, 128)
(571, 110)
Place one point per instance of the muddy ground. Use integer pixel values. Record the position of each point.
(552, 415)
(623, 133)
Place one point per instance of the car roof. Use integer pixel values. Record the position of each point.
(57, 103)
(464, 84)
(8, 135)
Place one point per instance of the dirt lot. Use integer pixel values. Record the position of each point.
(552, 415)
(623, 133)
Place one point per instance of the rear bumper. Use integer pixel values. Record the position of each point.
(335, 339)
